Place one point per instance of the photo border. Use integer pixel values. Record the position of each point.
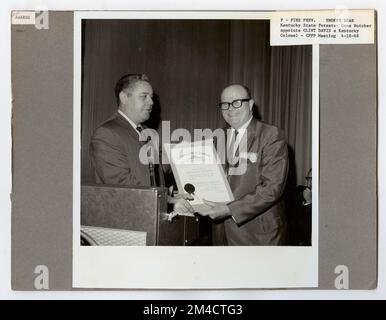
(190, 267)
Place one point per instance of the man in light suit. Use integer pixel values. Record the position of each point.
(117, 143)
(256, 216)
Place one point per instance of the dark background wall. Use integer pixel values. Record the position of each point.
(189, 62)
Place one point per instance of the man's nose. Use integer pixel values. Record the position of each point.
(150, 100)
(232, 110)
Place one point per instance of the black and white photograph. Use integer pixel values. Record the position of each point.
(195, 135)
(194, 150)
(176, 78)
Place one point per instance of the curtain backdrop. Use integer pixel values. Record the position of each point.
(188, 63)
(280, 79)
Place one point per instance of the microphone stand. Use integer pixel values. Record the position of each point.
(151, 164)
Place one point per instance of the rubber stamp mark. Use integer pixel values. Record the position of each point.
(38, 18)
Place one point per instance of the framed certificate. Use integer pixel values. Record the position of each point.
(198, 170)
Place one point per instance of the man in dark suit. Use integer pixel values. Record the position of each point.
(300, 213)
(117, 144)
(257, 173)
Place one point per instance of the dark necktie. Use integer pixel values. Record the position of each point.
(232, 155)
(234, 151)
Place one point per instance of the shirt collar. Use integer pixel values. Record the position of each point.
(243, 127)
(130, 121)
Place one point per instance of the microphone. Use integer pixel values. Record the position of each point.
(151, 165)
(189, 188)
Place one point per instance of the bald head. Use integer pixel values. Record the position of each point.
(237, 90)
(236, 117)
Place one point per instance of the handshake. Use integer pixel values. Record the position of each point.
(182, 207)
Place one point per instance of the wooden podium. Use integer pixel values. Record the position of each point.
(139, 209)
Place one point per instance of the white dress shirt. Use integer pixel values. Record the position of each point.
(241, 132)
(131, 122)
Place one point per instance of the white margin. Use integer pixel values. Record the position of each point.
(5, 169)
(183, 267)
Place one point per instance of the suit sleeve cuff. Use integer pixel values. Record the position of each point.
(234, 219)
(232, 216)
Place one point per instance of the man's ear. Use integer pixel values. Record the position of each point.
(251, 103)
(122, 97)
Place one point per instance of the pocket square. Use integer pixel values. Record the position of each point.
(252, 156)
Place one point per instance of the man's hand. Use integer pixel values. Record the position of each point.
(181, 204)
(216, 210)
(307, 195)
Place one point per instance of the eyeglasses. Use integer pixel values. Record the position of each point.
(236, 104)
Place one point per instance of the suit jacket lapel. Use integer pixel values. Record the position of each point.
(251, 133)
(132, 132)
(251, 137)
